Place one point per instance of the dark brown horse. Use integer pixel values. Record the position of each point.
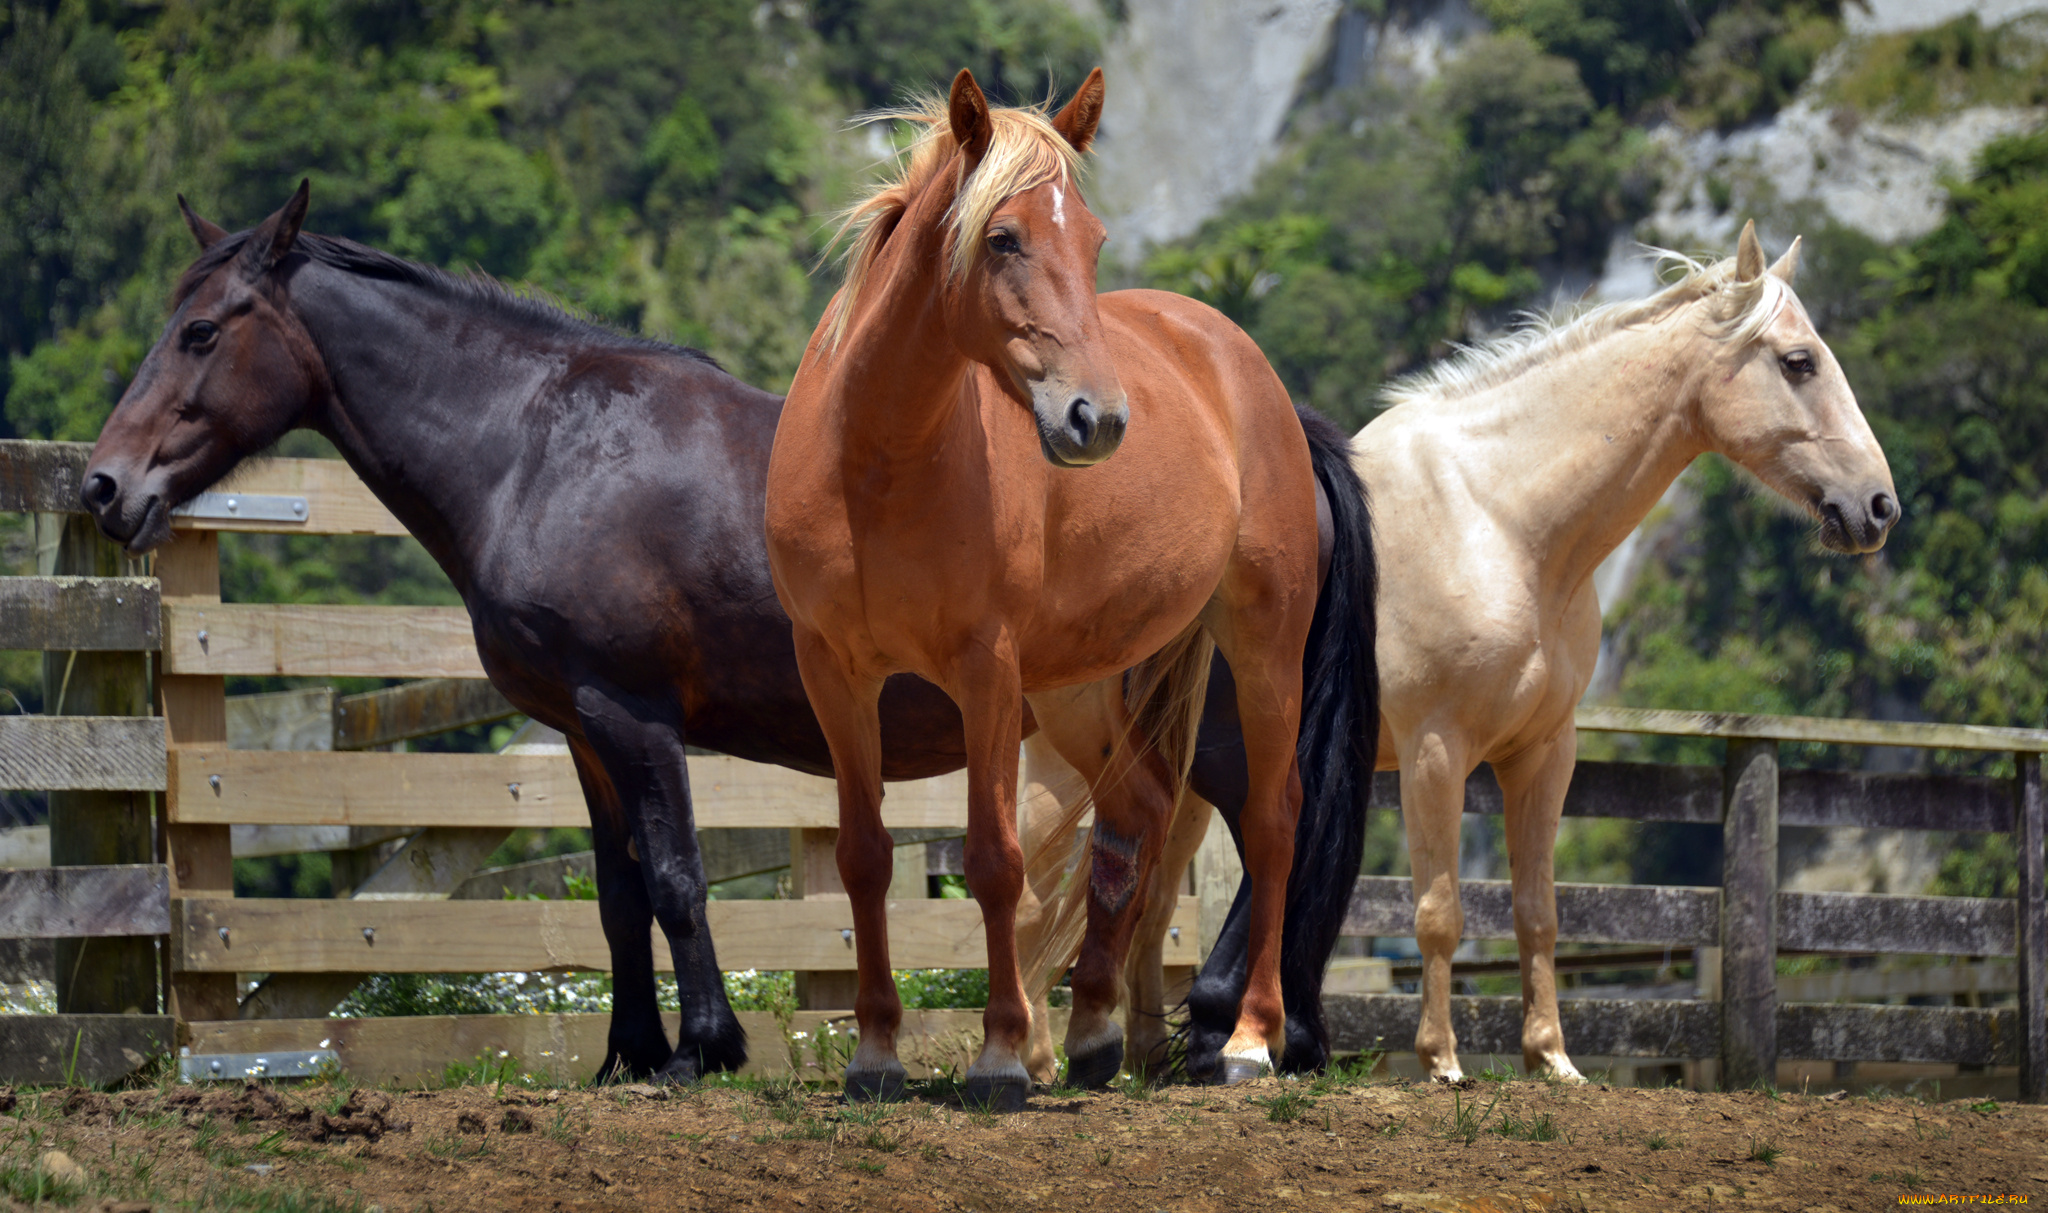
(597, 500)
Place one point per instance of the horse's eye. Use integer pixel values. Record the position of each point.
(200, 335)
(1798, 364)
(1003, 242)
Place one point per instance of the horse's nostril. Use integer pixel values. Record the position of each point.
(100, 491)
(1081, 422)
(1883, 509)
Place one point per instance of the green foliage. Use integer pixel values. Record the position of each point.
(938, 989)
(1739, 59)
(877, 51)
(1401, 222)
(654, 164)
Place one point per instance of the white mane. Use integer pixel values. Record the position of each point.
(1737, 311)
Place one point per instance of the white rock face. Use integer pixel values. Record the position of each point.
(1897, 16)
(1883, 178)
(1197, 91)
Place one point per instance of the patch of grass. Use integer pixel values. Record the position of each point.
(880, 1140)
(1764, 1150)
(1132, 1085)
(804, 1128)
(868, 1166)
(1660, 1140)
(32, 1187)
(1286, 1107)
(1104, 1156)
(866, 1113)
(1987, 1107)
(1353, 1071)
(1934, 1132)
(1911, 1181)
(929, 1153)
(456, 1148)
(1495, 1072)
(1393, 1127)
(1467, 1120)
(1527, 1128)
(266, 1198)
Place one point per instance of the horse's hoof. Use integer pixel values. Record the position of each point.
(1235, 1070)
(874, 1086)
(680, 1070)
(996, 1093)
(1096, 1068)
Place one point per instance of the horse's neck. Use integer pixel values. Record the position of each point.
(1572, 455)
(419, 409)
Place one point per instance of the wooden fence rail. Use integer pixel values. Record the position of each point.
(180, 642)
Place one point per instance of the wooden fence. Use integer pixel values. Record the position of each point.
(146, 792)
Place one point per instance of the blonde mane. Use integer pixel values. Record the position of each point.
(1026, 152)
(1736, 312)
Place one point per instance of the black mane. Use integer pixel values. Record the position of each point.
(475, 287)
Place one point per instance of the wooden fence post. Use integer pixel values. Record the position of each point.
(115, 974)
(814, 876)
(195, 714)
(2032, 913)
(1749, 914)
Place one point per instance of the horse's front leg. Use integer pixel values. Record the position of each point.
(639, 740)
(848, 708)
(1089, 727)
(1533, 788)
(990, 692)
(1432, 806)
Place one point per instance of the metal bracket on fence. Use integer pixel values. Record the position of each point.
(256, 506)
(234, 1067)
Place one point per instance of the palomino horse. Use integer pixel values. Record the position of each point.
(934, 506)
(597, 500)
(1501, 481)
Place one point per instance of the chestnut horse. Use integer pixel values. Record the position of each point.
(988, 476)
(1504, 478)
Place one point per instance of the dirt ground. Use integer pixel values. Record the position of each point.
(1272, 1144)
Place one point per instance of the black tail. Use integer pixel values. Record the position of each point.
(1338, 748)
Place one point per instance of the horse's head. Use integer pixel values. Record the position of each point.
(1776, 402)
(1022, 299)
(232, 372)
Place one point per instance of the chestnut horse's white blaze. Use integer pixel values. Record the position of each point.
(1500, 482)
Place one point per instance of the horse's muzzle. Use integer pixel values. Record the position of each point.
(1082, 433)
(1857, 522)
(137, 525)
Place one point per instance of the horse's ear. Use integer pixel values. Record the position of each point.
(1787, 267)
(1076, 122)
(1749, 255)
(206, 233)
(973, 129)
(272, 241)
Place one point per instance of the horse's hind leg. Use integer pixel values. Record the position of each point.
(1145, 971)
(640, 743)
(637, 1045)
(1532, 789)
(1089, 726)
(1050, 787)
